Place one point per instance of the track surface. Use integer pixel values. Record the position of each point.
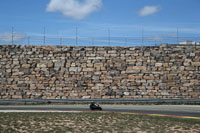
(176, 110)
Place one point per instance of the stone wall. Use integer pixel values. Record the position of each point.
(64, 72)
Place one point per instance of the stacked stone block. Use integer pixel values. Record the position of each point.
(66, 72)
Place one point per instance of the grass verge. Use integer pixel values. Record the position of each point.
(93, 122)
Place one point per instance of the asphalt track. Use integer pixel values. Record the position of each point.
(160, 110)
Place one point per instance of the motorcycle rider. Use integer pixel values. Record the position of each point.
(93, 106)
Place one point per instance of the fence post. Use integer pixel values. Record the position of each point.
(28, 40)
(109, 36)
(76, 36)
(177, 33)
(44, 39)
(12, 35)
(60, 40)
(142, 36)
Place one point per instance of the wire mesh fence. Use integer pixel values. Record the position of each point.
(22, 38)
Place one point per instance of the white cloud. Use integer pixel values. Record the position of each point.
(149, 10)
(76, 9)
(7, 37)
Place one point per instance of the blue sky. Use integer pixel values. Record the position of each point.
(93, 18)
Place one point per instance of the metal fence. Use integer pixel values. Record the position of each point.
(17, 37)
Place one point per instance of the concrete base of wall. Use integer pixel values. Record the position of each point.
(102, 101)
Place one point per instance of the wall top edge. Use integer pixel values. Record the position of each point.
(71, 46)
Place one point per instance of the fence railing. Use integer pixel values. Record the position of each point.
(21, 38)
(91, 41)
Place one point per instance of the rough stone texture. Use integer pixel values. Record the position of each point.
(64, 72)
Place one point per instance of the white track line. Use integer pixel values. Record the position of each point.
(36, 111)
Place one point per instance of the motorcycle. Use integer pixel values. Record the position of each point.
(95, 106)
